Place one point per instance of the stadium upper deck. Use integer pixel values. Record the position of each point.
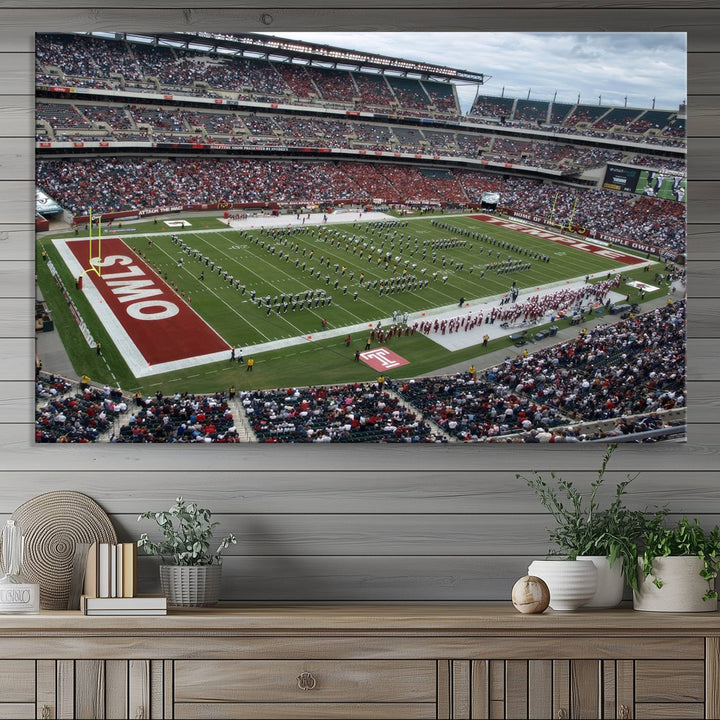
(649, 126)
(249, 68)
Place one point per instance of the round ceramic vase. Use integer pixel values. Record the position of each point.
(571, 582)
(610, 582)
(682, 589)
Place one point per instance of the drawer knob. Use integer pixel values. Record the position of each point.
(624, 713)
(45, 712)
(306, 681)
(562, 715)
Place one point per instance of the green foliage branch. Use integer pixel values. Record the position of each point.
(686, 538)
(187, 530)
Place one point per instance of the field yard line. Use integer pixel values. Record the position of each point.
(273, 285)
(212, 292)
(317, 315)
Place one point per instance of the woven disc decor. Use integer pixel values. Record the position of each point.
(52, 524)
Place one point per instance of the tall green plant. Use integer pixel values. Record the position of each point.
(187, 530)
(582, 527)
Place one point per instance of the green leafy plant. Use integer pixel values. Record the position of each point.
(187, 531)
(582, 527)
(686, 538)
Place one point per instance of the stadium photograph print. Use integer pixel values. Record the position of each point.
(360, 237)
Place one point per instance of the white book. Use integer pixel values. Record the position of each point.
(139, 602)
(104, 570)
(119, 570)
(126, 612)
(113, 571)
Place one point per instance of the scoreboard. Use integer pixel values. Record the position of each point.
(620, 177)
(651, 183)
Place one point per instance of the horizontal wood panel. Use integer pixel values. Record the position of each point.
(305, 711)
(278, 681)
(17, 243)
(360, 534)
(20, 24)
(98, 640)
(669, 681)
(395, 6)
(17, 711)
(21, 454)
(703, 241)
(362, 579)
(702, 116)
(17, 681)
(670, 711)
(124, 493)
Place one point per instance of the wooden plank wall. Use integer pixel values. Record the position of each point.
(360, 523)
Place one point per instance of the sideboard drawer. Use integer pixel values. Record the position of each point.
(300, 681)
(672, 681)
(17, 681)
(306, 711)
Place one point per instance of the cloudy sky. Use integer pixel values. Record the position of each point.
(639, 66)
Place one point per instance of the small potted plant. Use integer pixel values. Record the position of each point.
(677, 568)
(584, 530)
(190, 574)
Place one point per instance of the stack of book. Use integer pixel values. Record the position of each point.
(111, 583)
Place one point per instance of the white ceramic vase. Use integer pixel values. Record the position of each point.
(682, 589)
(610, 582)
(571, 582)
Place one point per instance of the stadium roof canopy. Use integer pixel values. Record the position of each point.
(265, 46)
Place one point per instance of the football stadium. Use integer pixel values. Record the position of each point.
(243, 238)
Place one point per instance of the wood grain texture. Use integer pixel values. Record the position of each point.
(116, 684)
(368, 524)
(306, 711)
(685, 683)
(669, 711)
(279, 681)
(17, 680)
(90, 688)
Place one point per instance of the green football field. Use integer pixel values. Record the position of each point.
(369, 269)
(341, 260)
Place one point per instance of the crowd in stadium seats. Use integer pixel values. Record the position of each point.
(149, 68)
(653, 220)
(79, 418)
(182, 125)
(50, 386)
(633, 367)
(346, 413)
(179, 419)
(654, 127)
(113, 184)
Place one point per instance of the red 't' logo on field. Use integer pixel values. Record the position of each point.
(382, 359)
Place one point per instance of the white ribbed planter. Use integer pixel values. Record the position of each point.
(682, 589)
(610, 582)
(571, 582)
(191, 585)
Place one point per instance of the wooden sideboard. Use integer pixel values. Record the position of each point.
(365, 661)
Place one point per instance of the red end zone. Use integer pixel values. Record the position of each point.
(157, 321)
(583, 245)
